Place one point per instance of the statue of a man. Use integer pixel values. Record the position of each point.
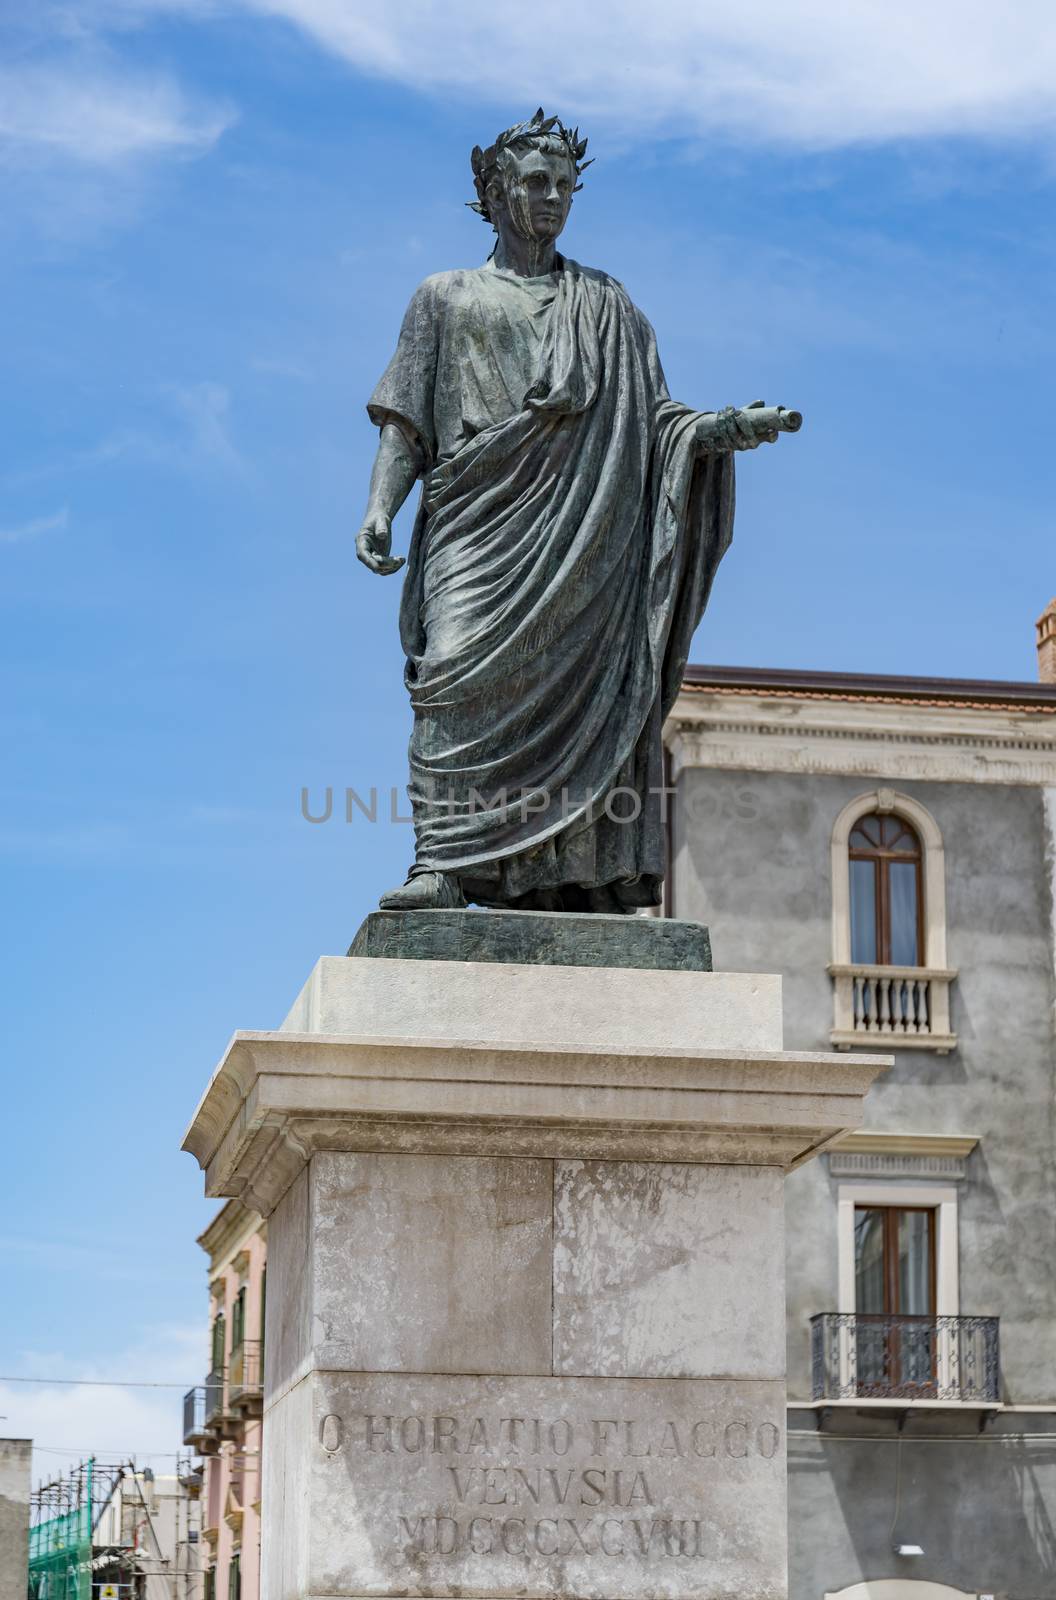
(571, 521)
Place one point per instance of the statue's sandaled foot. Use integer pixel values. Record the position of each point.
(425, 891)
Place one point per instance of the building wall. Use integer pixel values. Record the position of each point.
(15, 1459)
(757, 870)
(156, 1522)
(980, 1505)
(751, 857)
(236, 1242)
(177, 1517)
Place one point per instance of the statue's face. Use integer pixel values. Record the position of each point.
(536, 193)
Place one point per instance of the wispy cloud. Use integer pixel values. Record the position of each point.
(66, 842)
(23, 531)
(205, 409)
(99, 115)
(817, 73)
(91, 1260)
(195, 433)
(821, 73)
(275, 367)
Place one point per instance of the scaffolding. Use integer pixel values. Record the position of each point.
(63, 1518)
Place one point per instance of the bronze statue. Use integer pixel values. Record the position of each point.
(571, 521)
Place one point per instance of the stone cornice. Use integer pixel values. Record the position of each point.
(868, 1154)
(868, 1141)
(723, 727)
(278, 1097)
(484, 1058)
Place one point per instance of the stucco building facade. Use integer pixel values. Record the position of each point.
(889, 846)
(15, 1458)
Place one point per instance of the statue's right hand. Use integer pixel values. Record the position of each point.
(373, 544)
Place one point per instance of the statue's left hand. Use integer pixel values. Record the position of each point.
(741, 433)
(746, 425)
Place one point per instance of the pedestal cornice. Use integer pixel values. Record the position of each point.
(278, 1097)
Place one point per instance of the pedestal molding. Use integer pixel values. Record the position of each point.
(277, 1097)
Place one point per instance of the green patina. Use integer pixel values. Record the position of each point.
(536, 938)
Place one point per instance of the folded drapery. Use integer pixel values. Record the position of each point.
(568, 534)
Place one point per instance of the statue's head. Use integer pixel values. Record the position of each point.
(527, 178)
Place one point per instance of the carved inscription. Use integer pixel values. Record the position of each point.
(554, 1536)
(519, 1488)
(529, 1486)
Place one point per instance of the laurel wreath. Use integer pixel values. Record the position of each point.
(485, 163)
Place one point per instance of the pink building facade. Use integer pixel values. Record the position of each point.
(223, 1416)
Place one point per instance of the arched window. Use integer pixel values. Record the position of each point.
(887, 902)
(889, 924)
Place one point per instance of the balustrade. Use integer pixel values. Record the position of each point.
(907, 1004)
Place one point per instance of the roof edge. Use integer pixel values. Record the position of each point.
(881, 685)
(233, 1218)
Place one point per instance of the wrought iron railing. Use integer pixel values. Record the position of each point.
(865, 1357)
(244, 1372)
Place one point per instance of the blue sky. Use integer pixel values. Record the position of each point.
(213, 214)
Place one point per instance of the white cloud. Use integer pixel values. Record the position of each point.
(70, 1421)
(818, 72)
(815, 73)
(194, 433)
(205, 409)
(99, 115)
(35, 527)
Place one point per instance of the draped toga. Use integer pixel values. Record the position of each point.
(566, 541)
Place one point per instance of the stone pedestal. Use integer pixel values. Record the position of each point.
(526, 1318)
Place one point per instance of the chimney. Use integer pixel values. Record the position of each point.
(1046, 626)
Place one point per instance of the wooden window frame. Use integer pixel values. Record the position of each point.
(238, 1319)
(881, 859)
(890, 1210)
(892, 1322)
(219, 1322)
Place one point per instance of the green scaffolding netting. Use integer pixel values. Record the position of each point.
(60, 1550)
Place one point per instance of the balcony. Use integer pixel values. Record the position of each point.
(244, 1379)
(939, 1360)
(196, 1433)
(905, 1007)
